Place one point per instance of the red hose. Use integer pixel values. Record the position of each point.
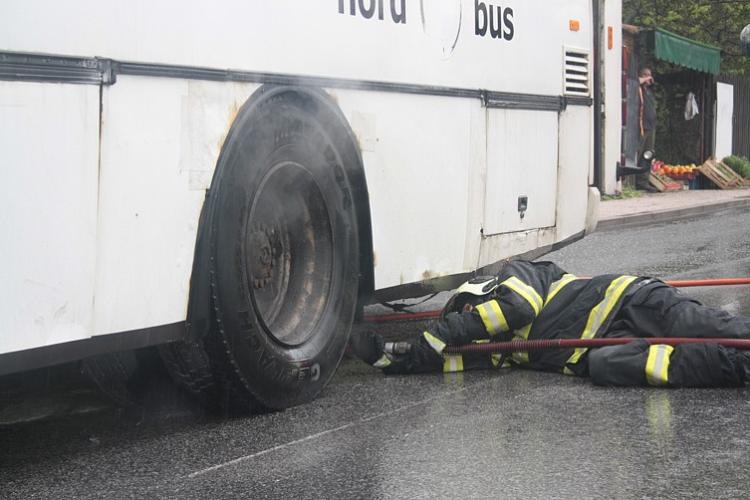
(385, 318)
(531, 345)
(716, 282)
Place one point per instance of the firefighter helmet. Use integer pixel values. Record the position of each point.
(475, 291)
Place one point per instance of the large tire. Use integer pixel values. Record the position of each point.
(284, 245)
(124, 377)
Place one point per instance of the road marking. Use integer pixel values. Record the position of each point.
(322, 433)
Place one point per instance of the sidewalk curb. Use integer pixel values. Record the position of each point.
(646, 218)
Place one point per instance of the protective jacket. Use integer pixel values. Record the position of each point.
(538, 300)
(541, 301)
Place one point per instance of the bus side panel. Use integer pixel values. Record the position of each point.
(48, 203)
(161, 139)
(416, 150)
(576, 148)
(160, 142)
(438, 42)
(521, 162)
(502, 246)
(612, 93)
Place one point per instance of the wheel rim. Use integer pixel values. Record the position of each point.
(289, 253)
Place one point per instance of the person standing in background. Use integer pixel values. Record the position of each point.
(647, 122)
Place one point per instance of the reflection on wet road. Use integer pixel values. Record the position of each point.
(482, 434)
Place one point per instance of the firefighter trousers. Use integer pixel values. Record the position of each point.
(654, 309)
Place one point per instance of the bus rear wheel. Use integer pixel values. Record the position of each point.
(284, 251)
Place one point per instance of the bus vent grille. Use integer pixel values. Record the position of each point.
(577, 72)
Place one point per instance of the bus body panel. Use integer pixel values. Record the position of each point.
(509, 244)
(174, 127)
(572, 208)
(161, 140)
(612, 77)
(314, 38)
(49, 148)
(522, 161)
(415, 151)
(576, 156)
(444, 172)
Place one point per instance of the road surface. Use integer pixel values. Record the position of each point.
(502, 434)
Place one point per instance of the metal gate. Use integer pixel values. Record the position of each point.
(741, 122)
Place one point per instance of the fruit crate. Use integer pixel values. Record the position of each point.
(721, 175)
(664, 183)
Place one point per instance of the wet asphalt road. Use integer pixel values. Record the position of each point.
(505, 434)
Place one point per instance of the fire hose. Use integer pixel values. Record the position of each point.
(385, 318)
(531, 345)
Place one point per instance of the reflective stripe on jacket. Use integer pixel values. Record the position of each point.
(538, 300)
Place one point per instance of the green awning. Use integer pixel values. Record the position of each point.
(682, 51)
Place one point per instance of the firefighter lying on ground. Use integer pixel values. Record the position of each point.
(538, 300)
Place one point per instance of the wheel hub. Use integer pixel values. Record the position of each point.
(263, 244)
(288, 253)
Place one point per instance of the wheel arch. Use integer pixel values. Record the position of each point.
(199, 317)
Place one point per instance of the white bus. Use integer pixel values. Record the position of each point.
(234, 180)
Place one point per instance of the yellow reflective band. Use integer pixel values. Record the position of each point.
(599, 314)
(521, 357)
(657, 364)
(558, 285)
(523, 333)
(525, 291)
(437, 344)
(382, 362)
(493, 317)
(453, 363)
(496, 358)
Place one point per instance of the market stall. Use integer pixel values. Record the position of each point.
(685, 93)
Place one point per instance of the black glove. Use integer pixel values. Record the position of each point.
(367, 346)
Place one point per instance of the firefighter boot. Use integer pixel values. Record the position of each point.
(742, 360)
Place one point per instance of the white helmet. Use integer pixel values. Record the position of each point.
(475, 291)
